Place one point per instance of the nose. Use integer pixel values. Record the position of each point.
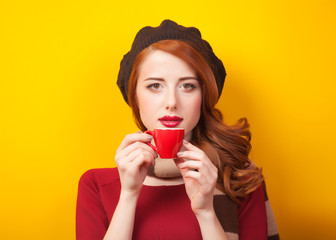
(171, 100)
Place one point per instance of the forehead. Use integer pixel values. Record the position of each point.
(158, 62)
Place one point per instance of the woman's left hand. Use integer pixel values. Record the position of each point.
(200, 177)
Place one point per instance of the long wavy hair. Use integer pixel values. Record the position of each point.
(226, 146)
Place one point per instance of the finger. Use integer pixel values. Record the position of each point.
(132, 138)
(133, 164)
(198, 157)
(196, 176)
(191, 147)
(134, 146)
(193, 153)
(196, 165)
(200, 162)
(124, 161)
(179, 161)
(142, 160)
(135, 168)
(197, 154)
(147, 156)
(206, 187)
(187, 156)
(200, 167)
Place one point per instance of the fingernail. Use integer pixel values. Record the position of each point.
(179, 154)
(180, 165)
(149, 137)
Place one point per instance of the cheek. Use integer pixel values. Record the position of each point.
(148, 107)
(194, 107)
(198, 111)
(146, 102)
(142, 103)
(140, 99)
(197, 103)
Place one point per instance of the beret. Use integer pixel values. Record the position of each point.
(169, 30)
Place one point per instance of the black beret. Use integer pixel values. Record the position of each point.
(169, 30)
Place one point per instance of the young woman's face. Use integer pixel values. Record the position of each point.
(168, 93)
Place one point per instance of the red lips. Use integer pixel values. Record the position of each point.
(170, 121)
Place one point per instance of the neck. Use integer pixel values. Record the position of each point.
(154, 181)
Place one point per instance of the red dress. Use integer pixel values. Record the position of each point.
(163, 212)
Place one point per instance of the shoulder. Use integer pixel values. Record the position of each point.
(252, 216)
(99, 177)
(254, 199)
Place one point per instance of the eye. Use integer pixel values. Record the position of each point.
(154, 86)
(188, 86)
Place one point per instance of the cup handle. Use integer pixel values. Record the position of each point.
(148, 143)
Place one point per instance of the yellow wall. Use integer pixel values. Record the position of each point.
(61, 112)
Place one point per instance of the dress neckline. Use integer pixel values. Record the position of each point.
(164, 186)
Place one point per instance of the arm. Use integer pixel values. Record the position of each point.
(210, 226)
(252, 216)
(121, 226)
(133, 158)
(91, 220)
(200, 187)
(256, 219)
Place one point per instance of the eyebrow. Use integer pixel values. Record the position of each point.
(187, 78)
(180, 79)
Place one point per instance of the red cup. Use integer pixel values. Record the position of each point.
(168, 141)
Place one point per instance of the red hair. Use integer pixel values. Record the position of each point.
(226, 146)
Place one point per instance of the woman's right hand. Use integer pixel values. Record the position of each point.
(133, 159)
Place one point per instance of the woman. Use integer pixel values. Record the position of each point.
(172, 78)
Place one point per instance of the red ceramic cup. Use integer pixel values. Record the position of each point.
(168, 141)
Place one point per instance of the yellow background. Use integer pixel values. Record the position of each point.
(61, 112)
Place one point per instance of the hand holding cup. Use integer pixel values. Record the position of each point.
(168, 141)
